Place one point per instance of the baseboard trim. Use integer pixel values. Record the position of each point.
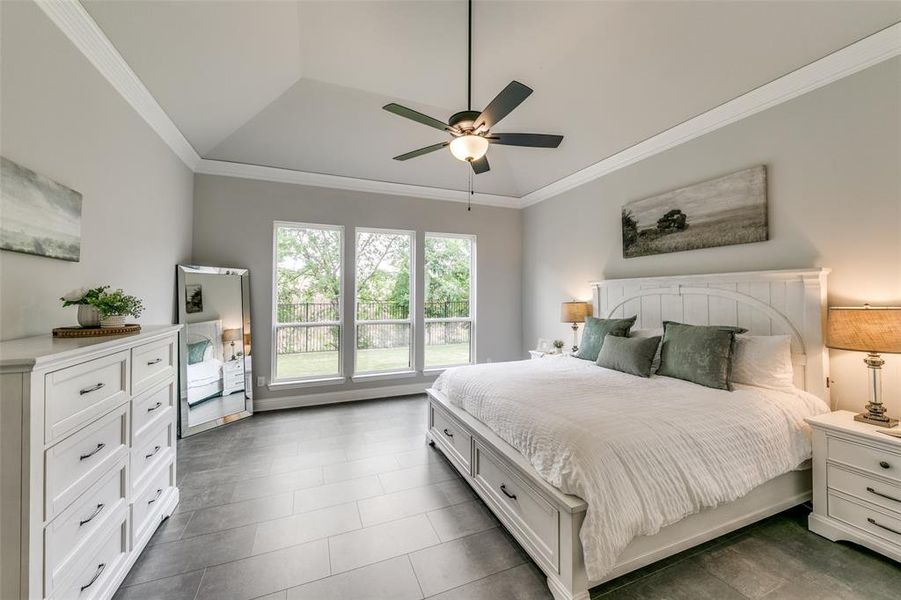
(371, 393)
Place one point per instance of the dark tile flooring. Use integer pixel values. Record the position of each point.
(347, 501)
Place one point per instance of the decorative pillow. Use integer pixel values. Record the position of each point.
(763, 361)
(646, 333)
(697, 353)
(632, 355)
(595, 332)
(196, 351)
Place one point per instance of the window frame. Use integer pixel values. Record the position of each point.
(274, 381)
(472, 302)
(411, 318)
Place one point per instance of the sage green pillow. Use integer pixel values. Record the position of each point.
(595, 332)
(629, 355)
(698, 353)
(196, 351)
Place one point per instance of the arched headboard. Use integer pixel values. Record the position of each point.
(764, 302)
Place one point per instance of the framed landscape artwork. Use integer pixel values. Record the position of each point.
(193, 298)
(40, 216)
(727, 210)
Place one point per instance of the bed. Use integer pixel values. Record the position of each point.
(204, 378)
(681, 464)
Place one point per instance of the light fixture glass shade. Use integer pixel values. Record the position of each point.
(574, 312)
(865, 328)
(469, 147)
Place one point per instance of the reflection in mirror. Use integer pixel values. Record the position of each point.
(215, 361)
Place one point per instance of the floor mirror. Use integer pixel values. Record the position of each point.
(215, 366)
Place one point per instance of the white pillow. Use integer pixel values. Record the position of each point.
(646, 333)
(763, 361)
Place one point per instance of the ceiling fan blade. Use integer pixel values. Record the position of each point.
(409, 113)
(532, 140)
(480, 166)
(421, 151)
(503, 104)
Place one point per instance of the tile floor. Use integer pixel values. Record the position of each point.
(347, 501)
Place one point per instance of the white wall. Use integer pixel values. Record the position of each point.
(61, 118)
(834, 167)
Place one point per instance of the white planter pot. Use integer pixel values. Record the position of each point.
(88, 316)
(113, 321)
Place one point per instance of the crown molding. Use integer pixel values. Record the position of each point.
(864, 53)
(246, 171)
(77, 25)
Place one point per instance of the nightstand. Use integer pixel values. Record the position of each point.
(533, 354)
(856, 483)
(232, 377)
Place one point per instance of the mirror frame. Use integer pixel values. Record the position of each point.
(247, 342)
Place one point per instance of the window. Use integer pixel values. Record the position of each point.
(384, 300)
(449, 299)
(307, 319)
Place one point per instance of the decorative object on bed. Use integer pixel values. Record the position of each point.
(595, 332)
(720, 212)
(193, 298)
(763, 361)
(646, 333)
(633, 355)
(574, 312)
(40, 216)
(231, 336)
(698, 353)
(873, 330)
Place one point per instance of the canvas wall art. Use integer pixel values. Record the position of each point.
(727, 210)
(38, 215)
(193, 298)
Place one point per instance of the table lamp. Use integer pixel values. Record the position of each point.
(574, 312)
(870, 329)
(231, 335)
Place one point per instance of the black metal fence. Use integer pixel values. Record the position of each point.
(311, 312)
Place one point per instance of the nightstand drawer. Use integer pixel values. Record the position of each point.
(866, 517)
(869, 458)
(872, 490)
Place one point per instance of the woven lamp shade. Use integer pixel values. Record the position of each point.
(231, 335)
(574, 312)
(865, 329)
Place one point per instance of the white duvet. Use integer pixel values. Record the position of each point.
(643, 453)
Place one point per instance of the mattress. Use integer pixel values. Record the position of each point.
(642, 453)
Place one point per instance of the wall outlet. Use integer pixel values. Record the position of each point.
(489, 359)
(261, 381)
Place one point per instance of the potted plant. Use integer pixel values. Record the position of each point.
(115, 306)
(88, 315)
(558, 346)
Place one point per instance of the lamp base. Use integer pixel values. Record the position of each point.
(878, 420)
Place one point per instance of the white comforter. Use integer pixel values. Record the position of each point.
(643, 453)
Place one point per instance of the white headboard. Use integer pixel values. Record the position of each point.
(206, 330)
(764, 302)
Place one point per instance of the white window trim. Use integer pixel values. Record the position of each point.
(473, 291)
(411, 320)
(312, 380)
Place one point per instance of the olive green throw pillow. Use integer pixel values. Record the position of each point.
(697, 353)
(629, 355)
(595, 332)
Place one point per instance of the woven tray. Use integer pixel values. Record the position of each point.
(82, 332)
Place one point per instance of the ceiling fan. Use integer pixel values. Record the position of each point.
(470, 130)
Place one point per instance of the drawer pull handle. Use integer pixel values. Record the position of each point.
(448, 433)
(93, 388)
(152, 453)
(506, 493)
(881, 495)
(99, 447)
(96, 576)
(874, 522)
(91, 518)
(154, 361)
(154, 407)
(884, 464)
(159, 493)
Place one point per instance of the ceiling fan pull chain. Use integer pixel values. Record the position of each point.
(469, 198)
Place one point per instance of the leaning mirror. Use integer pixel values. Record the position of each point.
(215, 371)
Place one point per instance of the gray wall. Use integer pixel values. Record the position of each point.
(61, 118)
(834, 168)
(233, 221)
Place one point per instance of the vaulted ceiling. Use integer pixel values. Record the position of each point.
(300, 85)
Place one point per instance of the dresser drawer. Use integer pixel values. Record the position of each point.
(526, 512)
(870, 489)
(76, 463)
(150, 451)
(79, 394)
(145, 509)
(869, 458)
(67, 536)
(152, 363)
(867, 517)
(94, 572)
(152, 407)
(451, 436)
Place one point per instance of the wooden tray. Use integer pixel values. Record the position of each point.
(83, 332)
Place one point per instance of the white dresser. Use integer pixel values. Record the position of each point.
(87, 459)
(856, 483)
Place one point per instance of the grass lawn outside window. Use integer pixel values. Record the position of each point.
(307, 364)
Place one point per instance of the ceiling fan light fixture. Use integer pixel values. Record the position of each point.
(469, 147)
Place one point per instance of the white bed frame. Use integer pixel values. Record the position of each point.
(545, 521)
